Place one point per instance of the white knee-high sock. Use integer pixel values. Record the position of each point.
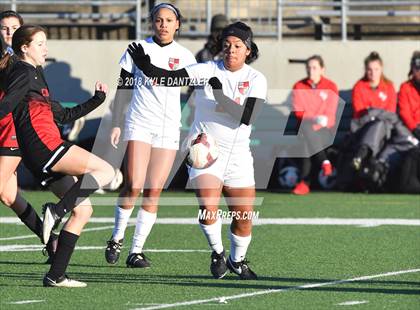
(238, 246)
(144, 224)
(213, 234)
(120, 223)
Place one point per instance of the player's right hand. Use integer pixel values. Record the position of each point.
(115, 136)
(136, 52)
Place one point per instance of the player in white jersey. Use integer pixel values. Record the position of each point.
(151, 128)
(226, 106)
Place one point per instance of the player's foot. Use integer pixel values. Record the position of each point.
(356, 163)
(218, 266)
(301, 188)
(241, 269)
(50, 221)
(327, 168)
(63, 281)
(50, 248)
(137, 260)
(113, 250)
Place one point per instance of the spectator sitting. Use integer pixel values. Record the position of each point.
(315, 101)
(373, 91)
(409, 97)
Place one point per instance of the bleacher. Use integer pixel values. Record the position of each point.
(300, 19)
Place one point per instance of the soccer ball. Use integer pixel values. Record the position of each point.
(327, 182)
(289, 176)
(202, 151)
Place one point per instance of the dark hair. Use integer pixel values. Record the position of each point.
(169, 6)
(10, 13)
(413, 62)
(22, 36)
(317, 58)
(243, 28)
(374, 56)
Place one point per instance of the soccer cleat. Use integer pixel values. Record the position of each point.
(137, 260)
(218, 266)
(241, 269)
(50, 221)
(301, 188)
(327, 168)
(356, 163)
(113, 251)
(63, 281)
(50, 248)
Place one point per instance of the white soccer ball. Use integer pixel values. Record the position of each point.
(289, 176)
(202, 151)
(327, 182)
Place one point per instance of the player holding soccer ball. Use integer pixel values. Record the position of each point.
(225, 109)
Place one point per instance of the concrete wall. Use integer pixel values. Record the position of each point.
(80, 63)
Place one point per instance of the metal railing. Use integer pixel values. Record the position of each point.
(268, 17)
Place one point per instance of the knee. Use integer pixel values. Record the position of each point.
(109, 173)
(82, 213)
(7, 198)
(133, 189)
(152, 192)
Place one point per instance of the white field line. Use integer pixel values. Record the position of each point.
(272, 291)
(38, 247)
(22, 302)
(34, 236)
(365, 222)
(352, 303)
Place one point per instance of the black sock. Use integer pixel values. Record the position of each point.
(68, 202)
(31, 219)
(65, 247)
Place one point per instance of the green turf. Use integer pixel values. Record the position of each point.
(283, 257)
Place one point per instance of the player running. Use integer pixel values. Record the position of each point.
(10, 156)
(151, 127)
(225, 109)
(44, 152)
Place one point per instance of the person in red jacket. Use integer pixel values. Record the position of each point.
(315, 101)
(409, 97)
(373, 91)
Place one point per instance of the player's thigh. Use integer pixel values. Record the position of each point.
(208, 189)
(8, 166)
(240, 198)
(160, 165)
(138, 157)
(77, 161)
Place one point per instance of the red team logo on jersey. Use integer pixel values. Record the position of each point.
(173, 63)
(45, 92)
(243, 87)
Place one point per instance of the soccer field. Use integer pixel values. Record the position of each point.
(321, 251)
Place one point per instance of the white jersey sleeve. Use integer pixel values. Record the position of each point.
(126, 63)
(200, 71)
(258, 87)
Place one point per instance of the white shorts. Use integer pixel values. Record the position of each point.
(158, 138)
(233, 169)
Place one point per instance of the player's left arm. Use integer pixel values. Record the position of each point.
(68, 115)
(246, 113)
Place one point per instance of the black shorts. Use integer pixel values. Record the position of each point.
(40, 166)
(10, 151)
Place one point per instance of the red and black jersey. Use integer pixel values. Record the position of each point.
(7, 128)
(364, 97)
(409, 103)
(36, 116)
(310, 100)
